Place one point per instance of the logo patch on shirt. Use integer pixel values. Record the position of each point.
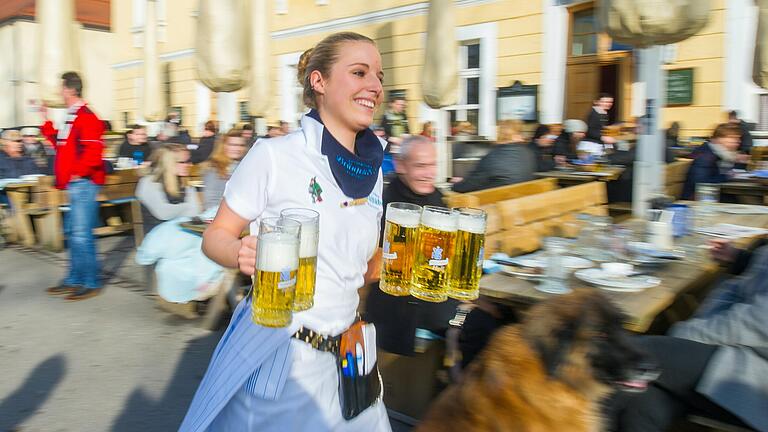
(315, 191)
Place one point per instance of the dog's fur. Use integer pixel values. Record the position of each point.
(547, 374)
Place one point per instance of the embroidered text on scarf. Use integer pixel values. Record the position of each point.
(355, 173)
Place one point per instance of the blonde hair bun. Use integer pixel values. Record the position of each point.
(301, 68)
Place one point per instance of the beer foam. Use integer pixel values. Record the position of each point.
(473, 224)
(404, 218)
(440, 221)
(277, 252)
(309, 240)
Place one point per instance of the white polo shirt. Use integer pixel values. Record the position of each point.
(278, 173)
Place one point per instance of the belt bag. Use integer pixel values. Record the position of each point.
(355, 351)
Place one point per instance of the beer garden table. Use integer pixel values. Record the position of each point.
(578, 175)
(681, 281)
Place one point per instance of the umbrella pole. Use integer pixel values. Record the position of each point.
(444, 149)
(649, 172)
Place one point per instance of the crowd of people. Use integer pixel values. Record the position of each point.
(716, 362)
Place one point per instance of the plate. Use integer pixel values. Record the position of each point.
(31, 177)
(520, 272)
(741, 209)
(540, 261)
(597, 277)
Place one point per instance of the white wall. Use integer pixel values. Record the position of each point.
(740, 92)
(7, 110)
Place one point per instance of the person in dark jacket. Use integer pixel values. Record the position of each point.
(36, 149)
(568, 141)
(542, 146)
(713, 161)
(13, 162)
(135, 145)
(509, 163)
(397, 318)
(597, 119)
(746, 137)
(204, 147)
(672, 140)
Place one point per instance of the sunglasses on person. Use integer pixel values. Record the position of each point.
(185, 162)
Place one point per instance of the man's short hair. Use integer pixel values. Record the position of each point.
(406, 146)
(733, 115)
(604, 95)
(73, 81)
(247, 126)
(132, 128)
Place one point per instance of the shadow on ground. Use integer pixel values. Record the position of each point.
(32, 394)
(148, 414)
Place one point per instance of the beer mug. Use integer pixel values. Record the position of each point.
(466, 266)
(435, 242)
(402, 223)
(277, 265)
(310, 234)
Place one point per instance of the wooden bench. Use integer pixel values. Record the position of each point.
(517, 226)
(488, 196)
(675, 175)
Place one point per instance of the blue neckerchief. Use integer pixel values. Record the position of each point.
(355, 173)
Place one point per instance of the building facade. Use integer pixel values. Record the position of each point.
(19, 67)
(554, 45)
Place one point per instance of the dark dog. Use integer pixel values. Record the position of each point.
(547, 374)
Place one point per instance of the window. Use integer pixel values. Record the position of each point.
(467, 109)
(292, 106)
(125, 119)
(245, 116)
(584, 33)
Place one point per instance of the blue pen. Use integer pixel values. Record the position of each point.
(350, 363)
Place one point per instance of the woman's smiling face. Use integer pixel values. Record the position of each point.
(354, 88)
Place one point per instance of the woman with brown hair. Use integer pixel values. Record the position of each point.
(204, 147)
(511, 161)
(270, 379)
(227, 153)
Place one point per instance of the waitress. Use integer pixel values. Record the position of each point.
(266, 379)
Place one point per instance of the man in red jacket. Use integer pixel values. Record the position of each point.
(79, 169)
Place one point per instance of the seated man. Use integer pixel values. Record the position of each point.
(397, 318)
(713, 161)
(511, 161)
(13, 162)
(135, 145)
(715, 363)
(35, 148)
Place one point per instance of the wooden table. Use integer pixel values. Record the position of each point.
(682, 281)
(577, 176)
(747, 191)
(34, 202)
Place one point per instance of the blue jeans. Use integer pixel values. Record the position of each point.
(83, 266)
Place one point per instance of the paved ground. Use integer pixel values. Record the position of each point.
(112, 363)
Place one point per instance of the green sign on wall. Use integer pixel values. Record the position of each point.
(680, 87)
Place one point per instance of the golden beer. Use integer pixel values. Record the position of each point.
(309, 238)
(277, 264)
(467, 265)
(434, 249)
(402, 223)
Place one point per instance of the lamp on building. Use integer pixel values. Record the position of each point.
(440, 76)
(58, 47)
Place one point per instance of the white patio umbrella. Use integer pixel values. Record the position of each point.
(58, 47)
(440, 76)
(647, 24)
(153, 101)
(259, 55)
(761, 46)
(221, 56)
